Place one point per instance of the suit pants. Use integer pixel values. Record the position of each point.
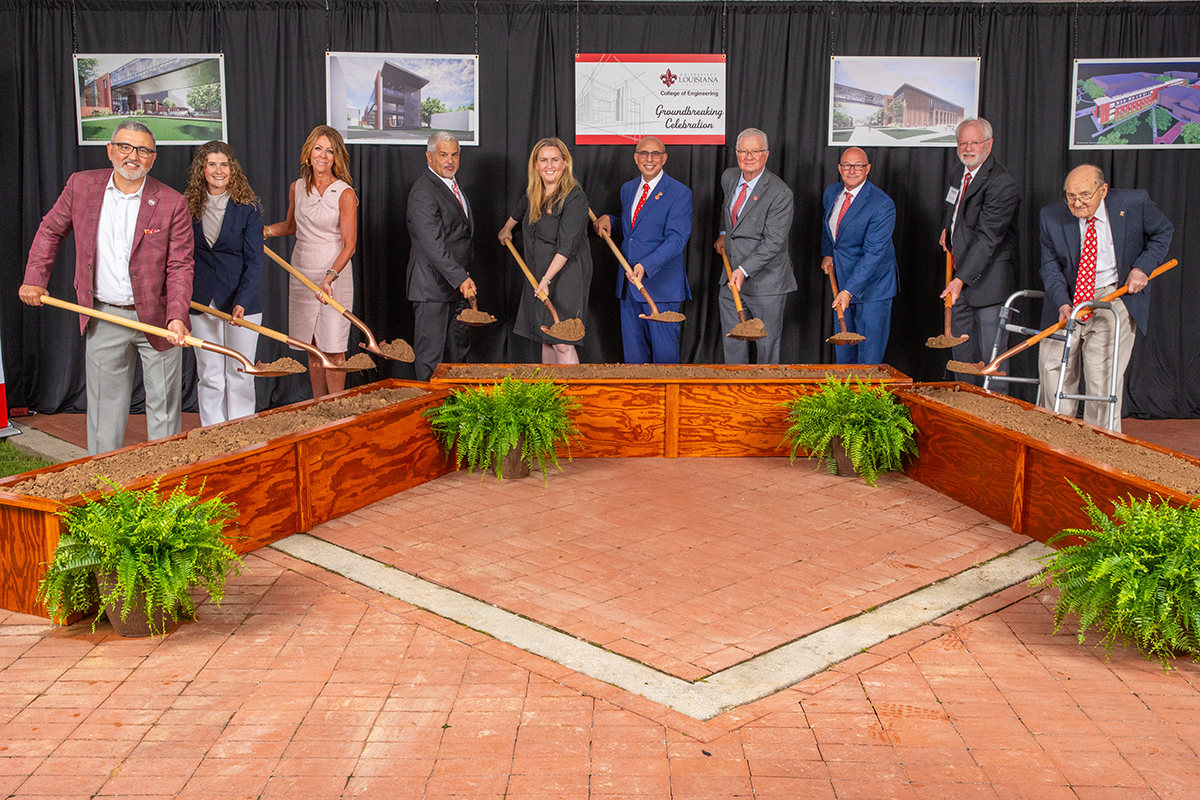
(110, 364)
(222, 391)
(437, 333)
(981, 324)
(769, 309)
(1091, 346)
(646, 341)
(872, 320)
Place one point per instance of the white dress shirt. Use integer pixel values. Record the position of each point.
(458, 195)
(958, 203)
(114, 244)
(637, 196)
(837, 207)
(1106, 253)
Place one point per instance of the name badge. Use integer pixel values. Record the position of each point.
(952, 195)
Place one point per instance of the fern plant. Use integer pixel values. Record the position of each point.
(875, 429)
(1137, 579)
(160, 546)
(481, 424)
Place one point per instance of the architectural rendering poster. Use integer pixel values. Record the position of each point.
(180, 98)
(900, 102)
(400, 98)
(1135, 104)
(621, 97)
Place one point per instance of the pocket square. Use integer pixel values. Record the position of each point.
(149, 231)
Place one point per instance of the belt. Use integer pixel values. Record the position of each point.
(123, 308)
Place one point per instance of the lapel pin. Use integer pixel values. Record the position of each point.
(754, 198)
(152, 201)
(1122, 213)
(659, 197)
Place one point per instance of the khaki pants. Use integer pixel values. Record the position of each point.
(1091, 347)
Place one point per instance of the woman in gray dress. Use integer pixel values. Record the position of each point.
(554, 217)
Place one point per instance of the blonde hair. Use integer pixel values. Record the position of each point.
(341, 158)
(197, 188)
(538, 202)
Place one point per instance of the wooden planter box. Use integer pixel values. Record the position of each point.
(727, 415)
(280, 487)
(1013, 478)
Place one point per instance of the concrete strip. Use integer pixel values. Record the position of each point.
(44, 446)
(744, 683)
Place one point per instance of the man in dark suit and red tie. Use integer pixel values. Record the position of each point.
(1098, 240)
(133, 259)
(655, 223)
(856, 240)
(440, 224)
(980, 231)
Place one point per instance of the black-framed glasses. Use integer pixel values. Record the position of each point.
(853, 167)
(124, 148)
(1082, 197)
(649, 153)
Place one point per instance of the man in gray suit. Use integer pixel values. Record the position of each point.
(440, 224)
(755, 221)
(980, 232)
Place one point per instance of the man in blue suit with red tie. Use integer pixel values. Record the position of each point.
(655, 223)
(856, 240)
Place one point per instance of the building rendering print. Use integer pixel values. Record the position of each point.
(180, 98)
(900, 102)
(1135, 104)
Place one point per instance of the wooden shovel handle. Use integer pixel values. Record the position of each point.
(136, 325)
(532, 280)
(737, 298)
(628, 269)
(841, 315)
(298, 275)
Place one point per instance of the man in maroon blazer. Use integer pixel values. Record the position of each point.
(133, 259)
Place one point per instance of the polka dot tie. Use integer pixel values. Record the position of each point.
(845, 206)
(641, 202)
(1085, 281)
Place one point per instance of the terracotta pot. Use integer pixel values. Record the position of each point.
(844, 465)
(137, 624)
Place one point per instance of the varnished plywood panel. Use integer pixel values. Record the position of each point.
(734, 419)
(30, 536)
(619, 420)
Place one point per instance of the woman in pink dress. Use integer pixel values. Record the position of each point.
(323, 214)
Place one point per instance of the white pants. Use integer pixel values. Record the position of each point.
(223, 392)
(1092, 342)
(110, 365)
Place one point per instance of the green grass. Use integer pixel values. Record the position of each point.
(165, 129)
(950, 138)
(14, 461)
(904, 133)
(842, 136)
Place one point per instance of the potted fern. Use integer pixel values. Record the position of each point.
(135, 554)
(860, 424)
(506, 427)
(1136, 577)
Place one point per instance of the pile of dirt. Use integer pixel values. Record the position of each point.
(750, 329)
(398, 350)
(359, 362)
(943, 341)
(569, 330)
(289, 365)
(472, 316)
(660, 371)
(1169, 470)
(126, 467)
(668, 316)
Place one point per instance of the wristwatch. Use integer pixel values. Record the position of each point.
(332, 272)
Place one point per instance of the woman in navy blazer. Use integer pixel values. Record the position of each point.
(228, 230)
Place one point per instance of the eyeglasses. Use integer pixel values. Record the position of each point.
(649, 153)
(125, 149)
(1082, 197)
(853, 167)
(749, 153)
(973, 144)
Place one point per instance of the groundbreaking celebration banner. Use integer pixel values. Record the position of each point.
(621, 97)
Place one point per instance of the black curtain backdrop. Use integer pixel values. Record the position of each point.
(778, 80)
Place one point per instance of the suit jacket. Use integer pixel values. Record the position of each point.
(160, 263)
(227, 272)
(441, 241)
(759, 242)
(658, 240)
(985, 243)
(1141, 237)
(863, 255)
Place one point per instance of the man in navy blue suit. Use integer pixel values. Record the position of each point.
(856, 240)
(1098, 240)
(655, 223)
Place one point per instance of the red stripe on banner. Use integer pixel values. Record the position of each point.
(610, 139)
(3, 405)
(645, 57)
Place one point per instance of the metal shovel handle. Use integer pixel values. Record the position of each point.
(278, 336)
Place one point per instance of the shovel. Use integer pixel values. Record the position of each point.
(569, 331)
(746, 331)
(654, 315)
(250, 369)
(295, 344)
(993, 368)
(473, 316)
(398, 350)
(843, 337)
(947, 339)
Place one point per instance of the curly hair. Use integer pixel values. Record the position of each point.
(539, 203)
(197, 188)
(341, 157)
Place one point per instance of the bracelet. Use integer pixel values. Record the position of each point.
(332, 272)
(266, 232)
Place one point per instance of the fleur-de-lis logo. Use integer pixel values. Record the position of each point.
(668, 78)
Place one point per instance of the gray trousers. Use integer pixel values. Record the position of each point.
(768, 308)
(981, 324)
(110, 365)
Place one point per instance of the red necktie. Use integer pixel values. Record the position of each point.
(641, 202)
(737, 204)
(461, 202)
(845, 205)
(1085, 281)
